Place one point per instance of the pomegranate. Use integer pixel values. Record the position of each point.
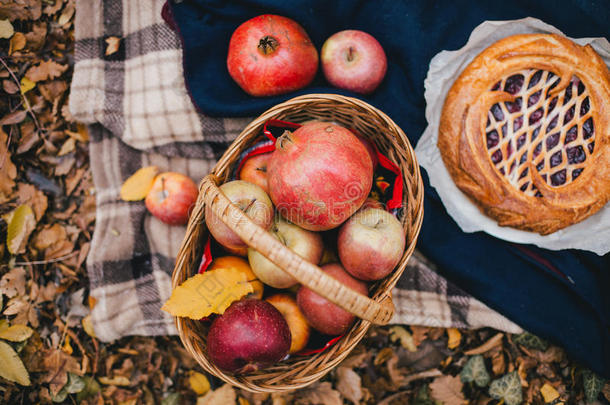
(319, 175)
(271, 55)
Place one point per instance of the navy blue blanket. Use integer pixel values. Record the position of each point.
(562, 296)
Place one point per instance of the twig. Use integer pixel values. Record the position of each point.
(58, 259)
(410, 378)
(25, 99)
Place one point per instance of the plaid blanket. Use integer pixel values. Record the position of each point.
(139, 113)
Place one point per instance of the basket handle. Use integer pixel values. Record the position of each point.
(310, 275)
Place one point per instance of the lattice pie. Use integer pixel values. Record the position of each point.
(525, 132)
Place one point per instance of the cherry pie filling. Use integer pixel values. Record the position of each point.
(554, 132)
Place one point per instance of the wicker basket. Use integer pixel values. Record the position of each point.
(299, 371)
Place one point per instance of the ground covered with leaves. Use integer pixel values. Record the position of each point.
(48, 350)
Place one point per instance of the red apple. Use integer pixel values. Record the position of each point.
(299, 328)
(252, 200)
(306, 244)
(171, 198)
(250, 335)
(271, 55)
(353, 60)
(254, 170)
(319, 175)
(323, 315)
(371, 244)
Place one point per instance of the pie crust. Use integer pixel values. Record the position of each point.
(525, 132)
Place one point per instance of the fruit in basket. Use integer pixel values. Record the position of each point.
(319, 175)
(323, 315)
(353, 60)
(250, 335)
(254, 170)
(371, 243)
(372, 203)
(239, 263)
(370, 148)
(171, 198)
(271, 55)
(299, 328)
(249, 198)
(306, 244)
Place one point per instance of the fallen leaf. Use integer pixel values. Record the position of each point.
(9, 86)
(406, 339)
(13, 118)
(58, 364)
(320, 393)
(224, 395)
(12, 367)
(243, 401)
(19, 229)
(16, 43)
(139, 184)
(475, 371)
(419, 333)
(29, 195)
(491, 343)
(53, 6)
(81, 135)
(112, 45)
(120, 381)
(45, 70)
(592, 384)
(531, 341)
(6, 29)
(53, 90)
(549, 393)
(67, 147)
(13, 282)
(455, 337)
(349, 384)
(16, 333)
(8, 171)
(49, 236)
(448, 390)
(67, 347)
(66, 14)
(36, 38)
(211, 292)
(508, 388)
(199, 383)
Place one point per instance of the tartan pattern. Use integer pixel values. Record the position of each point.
(139, 114)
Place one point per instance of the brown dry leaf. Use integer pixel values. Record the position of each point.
(53, 90)
(53, 6)
(58, 364)
(37, 36)
(448, 390)
(419, 333)
(21, 10)
(139, 184)
(549, 393)
(498, 364)
(397, 376)
(48, 236)
(320, 393)
(88, 326)
(17, 43)
(490, 344)
(384, 355)
(356, 360)
(455, 337)
(82, 134)
(13, 118)
(349, 384)
(224, 395)
(66, 14)
(8, 171)
(67, 147)
(119, 381)
(30, 195)
(9, 86)
(6, 29)
(13, 282)
(112, 45)
(45, 70)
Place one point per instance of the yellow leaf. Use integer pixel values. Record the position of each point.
(12, 367)
(26, 85)
(112, 45)
(549, 393)
(242, 401)
(406, 339)
(6, 29)
(19, 229)
(208, 293)
(82, 135)
(119, 380)
(88, 326)
(139, 184)
(67, 347)
(17, 43)
(67, 147)
(222, 396)
(455, 337)
(199, 383)
(16, 333)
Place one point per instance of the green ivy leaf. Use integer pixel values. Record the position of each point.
(475, 371)
(171, 399)
(91, 388)
(507, 387)
(531, 341)
(423, 397)
(593, 385)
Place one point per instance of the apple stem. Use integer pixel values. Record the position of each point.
(285, 137)
(350, 54)
(268, 45)
(262, 169)
(163, 190)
